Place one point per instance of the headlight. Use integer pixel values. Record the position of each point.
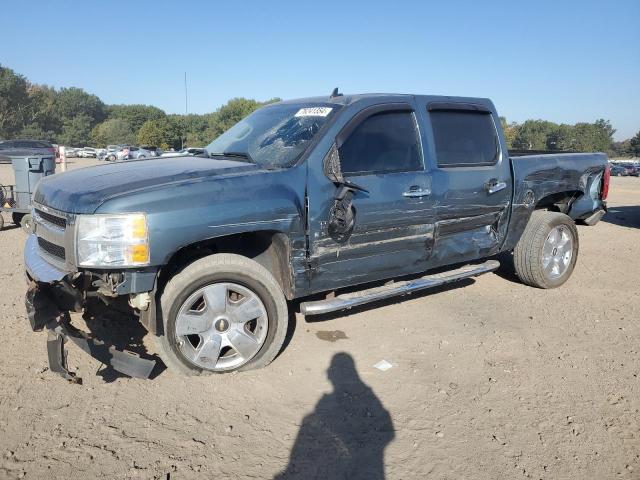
(112, 240)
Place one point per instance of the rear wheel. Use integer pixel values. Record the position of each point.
(220, 314)
(547, 252)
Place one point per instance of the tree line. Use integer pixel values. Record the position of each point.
(73, 117)
(580, 137)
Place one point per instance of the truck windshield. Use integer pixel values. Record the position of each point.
(274, 136)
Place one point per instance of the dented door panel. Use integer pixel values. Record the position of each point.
(393, 234)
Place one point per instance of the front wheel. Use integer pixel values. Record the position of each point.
(220, 314)
(546, 254)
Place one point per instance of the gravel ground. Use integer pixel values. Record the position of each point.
(489, 379)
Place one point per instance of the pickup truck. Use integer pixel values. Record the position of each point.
(337, 201)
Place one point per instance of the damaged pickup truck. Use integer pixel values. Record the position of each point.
(363, 193)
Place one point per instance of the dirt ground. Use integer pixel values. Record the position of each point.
(490, 380)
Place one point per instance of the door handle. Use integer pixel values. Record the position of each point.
(493, 186)
(417, 192)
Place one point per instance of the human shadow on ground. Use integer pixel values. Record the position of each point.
(628, 216)
(117, 325)
(346, 434)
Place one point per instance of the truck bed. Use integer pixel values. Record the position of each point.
(571, 179)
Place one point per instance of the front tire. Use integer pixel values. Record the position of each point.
(546, 254)
(220, 314)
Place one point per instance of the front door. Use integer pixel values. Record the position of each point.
(390, 227)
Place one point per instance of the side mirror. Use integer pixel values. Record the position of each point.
(332, 169)
(331, 166)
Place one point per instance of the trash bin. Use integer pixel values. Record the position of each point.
(15, 199)
(28, 171)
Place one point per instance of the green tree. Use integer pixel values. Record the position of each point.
(231, 113)
(35, 131)
(160, 133)
(623, 149)
(635, 145)
(14, 102)
(532, 135)
(603, 135)
(71, 102)
(114, 131)
(43, 115)
(135, 115)
(192, 129)
(76, 131)
(510, 130)
(561, 137)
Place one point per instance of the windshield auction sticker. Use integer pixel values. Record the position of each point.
(314, 112)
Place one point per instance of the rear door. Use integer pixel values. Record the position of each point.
(380, 150)
(472, 184)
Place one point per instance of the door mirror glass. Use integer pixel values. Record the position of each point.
(332, 167)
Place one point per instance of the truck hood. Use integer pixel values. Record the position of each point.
(85, 189)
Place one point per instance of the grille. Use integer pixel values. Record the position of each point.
(60, 222)
(52, 248)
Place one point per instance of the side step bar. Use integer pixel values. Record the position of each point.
(350, 300)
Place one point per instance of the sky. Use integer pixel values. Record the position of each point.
(565, 61)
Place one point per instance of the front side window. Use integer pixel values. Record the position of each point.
(383, 143)
(464, 138)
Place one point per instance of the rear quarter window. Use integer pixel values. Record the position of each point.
(464, 138)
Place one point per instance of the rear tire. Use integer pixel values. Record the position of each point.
(217, 272)
(1, 222)
(546, 254)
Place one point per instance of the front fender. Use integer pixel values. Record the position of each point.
(197, 211)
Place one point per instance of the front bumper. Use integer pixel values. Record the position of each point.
(50, 296)
(37, 267)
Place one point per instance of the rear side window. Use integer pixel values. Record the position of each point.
(383, 143)
(464, 138)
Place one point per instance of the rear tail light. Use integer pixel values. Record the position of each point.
(606, 176)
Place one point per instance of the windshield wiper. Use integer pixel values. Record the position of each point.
(243, 155)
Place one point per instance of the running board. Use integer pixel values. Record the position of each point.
(349, 300)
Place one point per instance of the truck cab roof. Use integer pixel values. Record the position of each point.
(348, 99)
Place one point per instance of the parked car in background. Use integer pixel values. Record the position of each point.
(620, 170)
(112, 150)
(71, 152)
(633, 170)
(101, 153)
(154, 151)
(87, 152)
(185, 152)
(37, 147)
(134, 153)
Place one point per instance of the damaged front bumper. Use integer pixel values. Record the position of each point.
(50, 297)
